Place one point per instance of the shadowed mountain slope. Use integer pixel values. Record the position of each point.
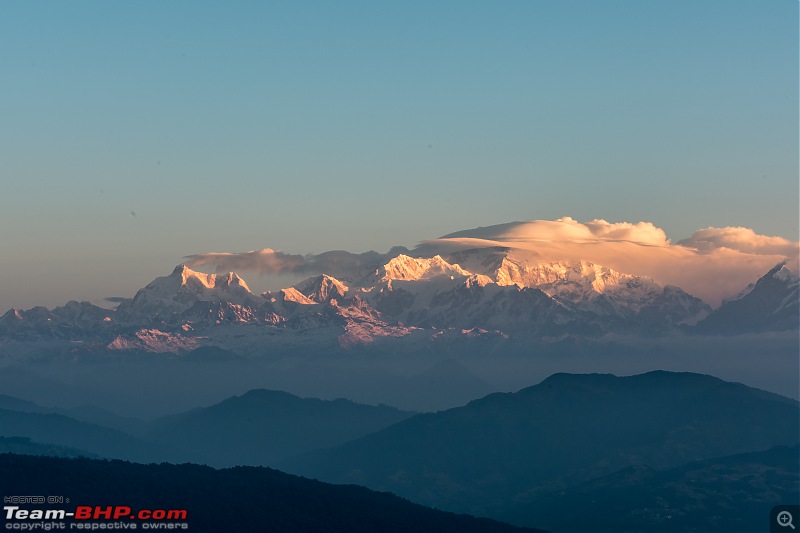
(771, 304)
(63, 431)
(264, 426)
(242, 499)
(501, 451)
(728, 494)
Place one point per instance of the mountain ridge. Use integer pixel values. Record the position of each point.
(241, 499)
(534, 441)
(407, 296)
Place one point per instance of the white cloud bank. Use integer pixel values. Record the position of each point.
(269, 262)
(740, 239)
(714, 263)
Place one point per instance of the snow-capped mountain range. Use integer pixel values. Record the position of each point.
(482, 292)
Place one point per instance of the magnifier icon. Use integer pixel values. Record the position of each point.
(785, 519)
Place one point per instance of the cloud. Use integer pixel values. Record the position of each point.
(114, 300)
(265, 261)
(640, 233)
(567, 229)
(338, 263)
(741, 239)
(714, 263)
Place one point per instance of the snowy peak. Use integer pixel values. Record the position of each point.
(184, 279)
(779, 274)
(294, 296)
(231, 281)
(575, 282)
(154, 341)
(189, 277)
(480, 260)
(584, 273)
(167, 296)
(771, 304)
(600, 290)
(477, 280)
(472, 291)
(782, 273)
(780, 286)
(579, 281)
(407, 268)
(322, 288)
(580, 286)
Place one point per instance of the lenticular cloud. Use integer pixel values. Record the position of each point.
(714, 263)
(641, 232)
(568, 230)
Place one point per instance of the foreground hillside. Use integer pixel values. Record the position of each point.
(239, 499)
(728, 494)
(499, 455)
(263, 426)
(660, 451)
(257, 428)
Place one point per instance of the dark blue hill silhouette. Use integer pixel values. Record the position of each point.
(25, 446)
(263, 426)
(496, 454)
(242, 499)
(63, 431)
(728, 494)
(89, 413)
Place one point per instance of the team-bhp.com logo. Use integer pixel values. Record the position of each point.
(85, 512)
(88, 517)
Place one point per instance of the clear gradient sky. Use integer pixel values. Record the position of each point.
(133, 134)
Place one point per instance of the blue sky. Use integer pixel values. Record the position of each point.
(134, 134)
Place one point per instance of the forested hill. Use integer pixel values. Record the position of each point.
(241, 499)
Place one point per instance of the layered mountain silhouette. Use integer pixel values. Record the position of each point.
(262, 427)
(90, 414)
(660, 451)
(25, 446)
(244, 499)
(497, 455)
(727, 494)
(65, 432)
